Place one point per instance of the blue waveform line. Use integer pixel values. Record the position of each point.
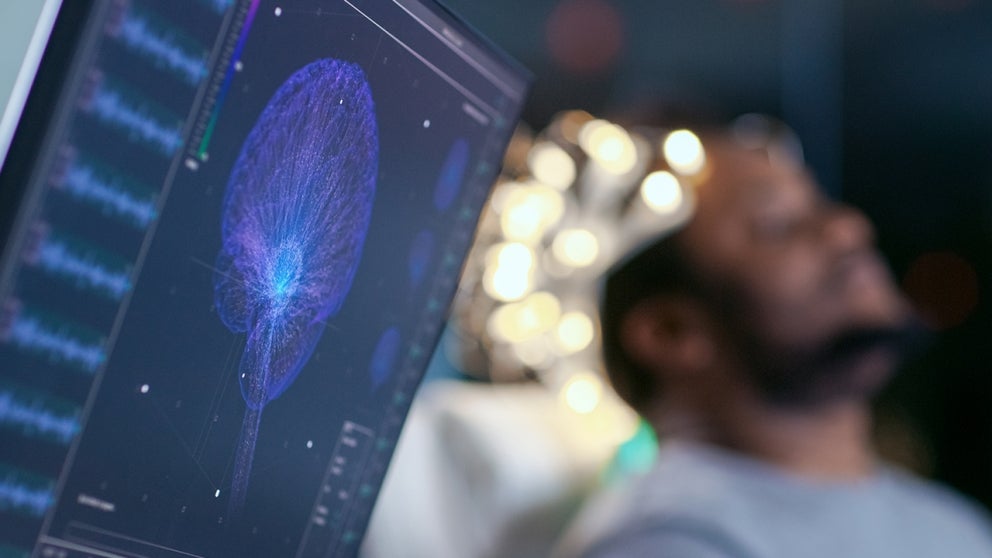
(34, 418)
(84, 183)
(112, 108)
(56, 257)
(30, 334)
(15, 496)
(139, 34)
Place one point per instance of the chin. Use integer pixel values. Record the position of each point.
(853, 366)
(865, 375)
(856, 380)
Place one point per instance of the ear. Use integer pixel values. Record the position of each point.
(669, 334)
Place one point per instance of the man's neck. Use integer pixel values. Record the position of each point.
(828, 443)
(831, 443)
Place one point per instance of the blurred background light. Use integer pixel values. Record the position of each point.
(575, 332)
(684, 152)
(576, 247)
(609, 145)
(551, 165)
(528, 211)
(509, 271)
(583, 392)
(661, 192)
(526, 319)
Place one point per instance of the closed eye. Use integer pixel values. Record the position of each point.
(776, 227)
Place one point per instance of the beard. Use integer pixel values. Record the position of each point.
(853, 364)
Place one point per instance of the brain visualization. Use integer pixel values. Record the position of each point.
(296, 212)
(230, 235)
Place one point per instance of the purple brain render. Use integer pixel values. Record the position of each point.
(295, 215)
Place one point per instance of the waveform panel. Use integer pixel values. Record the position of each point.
(85, 266)
(115, 195)
(36, 415)
(55, 339)
(24, 493)
(141, 120)
(164, 46)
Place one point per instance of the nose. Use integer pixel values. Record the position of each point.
(847, 229)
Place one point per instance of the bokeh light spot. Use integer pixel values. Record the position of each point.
(551, 165)
(575, 332)
(575, 247)
(583, 392)
(527, 211)
(661, 192)
(509, 271)
(608, 145)
(684, 152)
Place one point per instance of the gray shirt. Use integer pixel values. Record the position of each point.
(703, 502)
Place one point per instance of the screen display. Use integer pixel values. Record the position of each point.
(232, 260)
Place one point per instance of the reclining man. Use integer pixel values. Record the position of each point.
(752, 340)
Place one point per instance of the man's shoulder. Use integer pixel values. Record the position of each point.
(684, 484)
(683, 496)
(931, 503)
(738, 508)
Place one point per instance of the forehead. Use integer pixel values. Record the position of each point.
(740, 179)
(740, 187)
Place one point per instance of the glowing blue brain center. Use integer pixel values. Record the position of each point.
(285, 274)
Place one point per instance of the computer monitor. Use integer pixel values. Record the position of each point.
(232, 230)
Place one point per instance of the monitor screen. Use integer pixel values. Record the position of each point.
(232, 232)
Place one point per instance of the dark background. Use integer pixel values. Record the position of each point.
(893, 102)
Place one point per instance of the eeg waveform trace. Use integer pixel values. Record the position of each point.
(24, 493)
(296, 211)
(86, 267)
(165, 47)
(153, 126)
(112, 195)
(37, 415)
(57, 341)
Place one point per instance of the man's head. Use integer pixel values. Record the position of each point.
(770, 285)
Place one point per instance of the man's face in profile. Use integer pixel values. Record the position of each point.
(808, 300)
